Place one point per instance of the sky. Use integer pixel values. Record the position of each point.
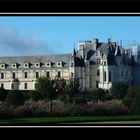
(40, 35)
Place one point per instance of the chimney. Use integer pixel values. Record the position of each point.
(95, 44)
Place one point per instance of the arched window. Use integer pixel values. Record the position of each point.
(104, 75)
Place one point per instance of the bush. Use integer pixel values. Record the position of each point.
(15, 97)
(80, 100)
(135, 106)
(127, 101)
(3, 94)
(119, 90)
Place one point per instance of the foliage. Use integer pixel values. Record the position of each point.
(119, 90)
(47, 89)
(3, 94)
(127, 101)
(135, 106)
(98, 95)
(15, 97)
(80, 100)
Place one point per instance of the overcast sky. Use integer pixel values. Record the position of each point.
(34, 35)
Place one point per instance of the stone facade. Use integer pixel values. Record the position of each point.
(96, 64)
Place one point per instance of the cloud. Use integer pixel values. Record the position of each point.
(13, 43)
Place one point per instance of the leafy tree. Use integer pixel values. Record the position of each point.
(98, 95)
(132, 91)
(15, 97)
(119, 90)
(47, 88)
(71, 89)
(135, 106)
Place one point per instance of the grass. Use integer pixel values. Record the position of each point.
(68, 119)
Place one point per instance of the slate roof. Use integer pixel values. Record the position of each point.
(65, 58)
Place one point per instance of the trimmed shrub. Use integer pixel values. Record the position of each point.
(15, 97)
(3, 94)
(80, 100)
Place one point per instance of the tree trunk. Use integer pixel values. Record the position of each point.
(51, 103)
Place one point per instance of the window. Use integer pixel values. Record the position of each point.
(120, 62)
(126, 73)
(104, 62)
(12, 86)
(35, 85)
(14, 76)
(122, 72)
(98, 72)
(59, 74)
(2, 85)
(26, 75)
(48, 74)
(25, 85)
(97, 84)
(59, 64)
(72, 64)
(72, 75)
(109, 76)
(2, 66)
(104, 75)
(48, 64)
(37, 74)
(2, 75)
(26, 65)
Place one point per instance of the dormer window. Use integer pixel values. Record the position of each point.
(26, 65)
(59, 64)
(37, 65)
(14, 65)
(2, 66)
(48, 64)
(72, 64)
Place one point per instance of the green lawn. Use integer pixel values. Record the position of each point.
(58, 120)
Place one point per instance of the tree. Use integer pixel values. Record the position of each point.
(48, 89)
(132, 91)
(71, 89)
(135, 106)
(15, 97)
(98, 95)
(3, 94)
(119, 90)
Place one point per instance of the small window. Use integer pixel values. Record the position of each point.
(104, 75)
(48, 74)
(98, 72)
(97, 84)
(105, 63)
(37, 74)
(2, 75)
(12, 86)
(122, 73)
(72, 64)
(2, 66)
(2, 85)
(25, 75)
(109, 76)
(14, 75)
(35, 85)
(59, 64)
(25, 86)
(59, 74)
(48, 64)
(72, 75)
(120, 62)
(37, 64)
(26, 65)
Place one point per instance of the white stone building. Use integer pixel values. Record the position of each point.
(96, 64)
